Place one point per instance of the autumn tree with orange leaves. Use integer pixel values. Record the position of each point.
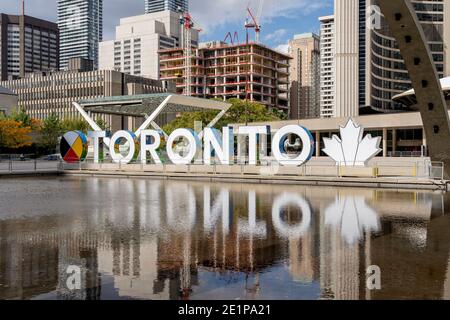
(14, 135)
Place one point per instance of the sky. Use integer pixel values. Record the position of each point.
(280, 19)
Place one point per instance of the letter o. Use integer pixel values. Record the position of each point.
(307, 141)
(132, 141)
(194, 145)
(296, 231)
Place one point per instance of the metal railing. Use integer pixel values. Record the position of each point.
(436, 170)
(406, 154)
(268, 167)
(14, 166)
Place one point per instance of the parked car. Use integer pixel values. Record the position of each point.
(52, 157)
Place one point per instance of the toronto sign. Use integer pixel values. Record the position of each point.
(350, 149)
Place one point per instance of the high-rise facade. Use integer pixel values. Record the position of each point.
(304, 76)
(346, 13)
(327, 73)
(388, 74)
(152, 6)
(81, 28)
(369, 67)
(138, 39)
(27, 45)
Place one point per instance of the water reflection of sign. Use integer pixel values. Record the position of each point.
(353, 216)
(252, 227)
(291, 199)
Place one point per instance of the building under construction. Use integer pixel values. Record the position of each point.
(219, 70)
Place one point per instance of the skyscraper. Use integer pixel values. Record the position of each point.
(369, 67)
(152, 6)
(81, 29)
(305, 76)
(27, 45)
(388, 74)
(346, 13)
(327, 67)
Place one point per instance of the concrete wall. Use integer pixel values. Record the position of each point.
(8, 103)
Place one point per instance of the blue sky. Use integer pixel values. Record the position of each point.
(281, 19)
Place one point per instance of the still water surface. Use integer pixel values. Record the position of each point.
(150, 239)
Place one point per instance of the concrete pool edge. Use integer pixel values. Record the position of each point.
(29, 174)
(380, 183)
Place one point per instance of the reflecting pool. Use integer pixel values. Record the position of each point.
(107, 238)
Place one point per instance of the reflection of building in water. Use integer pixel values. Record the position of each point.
(413, 259)
(33, 256)
(28, 265)
(156, 240)
(396, 247)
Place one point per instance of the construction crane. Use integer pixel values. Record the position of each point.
(254, 24)
(253, 21)
(187, 25)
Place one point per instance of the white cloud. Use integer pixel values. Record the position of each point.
(282, 48)
(217, 13)
(211, 14)
(276, 35)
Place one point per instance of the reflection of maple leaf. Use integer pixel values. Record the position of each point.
(351, 149)
(353, 216)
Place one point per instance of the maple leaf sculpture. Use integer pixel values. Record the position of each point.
(351, 149)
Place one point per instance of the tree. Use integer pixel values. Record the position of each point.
(74, 125)
(50, 132)
(13, 135)
(21, 116)
(103, 125)
(241, 111)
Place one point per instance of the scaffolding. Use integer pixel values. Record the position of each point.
(220, 70)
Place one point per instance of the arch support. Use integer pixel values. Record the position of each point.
(406, 29)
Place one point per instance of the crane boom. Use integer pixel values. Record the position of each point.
(187, 25)
(254, 24)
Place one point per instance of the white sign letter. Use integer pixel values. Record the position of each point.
(278, 145)
(253, 134)
(193, 146)
(223, 146)
(155, 138)
(131, 139)
(96, 136)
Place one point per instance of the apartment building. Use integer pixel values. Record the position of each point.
(327, 72)
(304, 76)
(221, 70)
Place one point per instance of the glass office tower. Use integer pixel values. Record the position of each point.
(161, 5)
(81, 29)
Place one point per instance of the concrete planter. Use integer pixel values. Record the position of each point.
(362, 172)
